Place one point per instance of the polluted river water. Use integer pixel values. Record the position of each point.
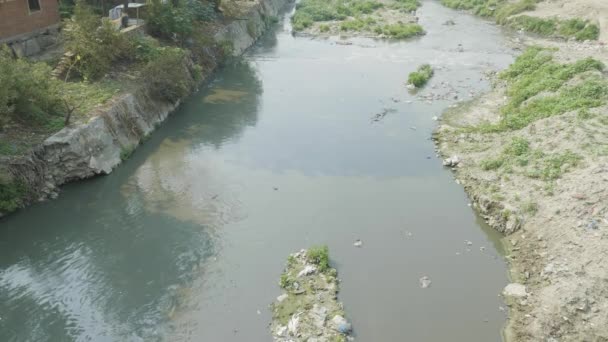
(303, 141)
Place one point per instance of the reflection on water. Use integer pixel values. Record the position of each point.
(186, 240)
(105, 265)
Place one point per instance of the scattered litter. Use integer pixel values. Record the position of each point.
(413, 128)
(482, 248)
(468, 242)
(259, 312)
(425, 282)
(592, 225)
(358, 243)
(435, 118)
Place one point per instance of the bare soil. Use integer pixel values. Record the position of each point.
(556, 232)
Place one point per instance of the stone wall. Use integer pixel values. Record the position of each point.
(95, 147)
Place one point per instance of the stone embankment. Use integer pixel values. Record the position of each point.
(97, 146)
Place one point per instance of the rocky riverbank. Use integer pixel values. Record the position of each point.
(114, 130)
(532, 156)
(309, 310)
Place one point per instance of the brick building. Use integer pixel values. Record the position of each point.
(23, 22)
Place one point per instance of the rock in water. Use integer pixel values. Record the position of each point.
(425, 282)
(302, 313)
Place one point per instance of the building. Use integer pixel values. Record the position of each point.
(28, 25)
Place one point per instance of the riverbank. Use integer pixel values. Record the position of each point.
(532, 156)
(110, 132)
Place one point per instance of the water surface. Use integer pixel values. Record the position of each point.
(283, 150)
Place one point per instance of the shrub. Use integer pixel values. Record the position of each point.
(319, 255)
(28, 93)
(491, 164)
(310, 11)
(166, 19)
(96, 43)
(167, 75)
(421, 76)
(402, 31)
(11, 195)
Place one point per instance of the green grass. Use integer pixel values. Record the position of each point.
(358, 24)
(311, 11)
(535, 72)
(503, 11)
(11, 195)
(553, 27)
(319, 255)
(405, 5)
(88, 95)
(400, 30)
(579, 29)
(508, 9)
(517, 156)
(421, 76)
(498, 9)
(484, 8)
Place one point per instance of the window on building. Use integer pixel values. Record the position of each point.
(34, 5)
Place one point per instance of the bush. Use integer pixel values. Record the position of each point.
(402, 31)
(28, 93)
(167, 19)
(421, 76)
(310, 11)
(11, 195)
(319, 255)
(96, 43)
(167, 75)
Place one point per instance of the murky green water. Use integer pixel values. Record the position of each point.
(186, 240)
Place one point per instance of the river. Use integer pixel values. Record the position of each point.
(302, 142)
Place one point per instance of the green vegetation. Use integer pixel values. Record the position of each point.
(28, 93)
(573, 28)
(310, 11)
(357, 24)
(11, 195)
(319, 255)
(484, 8)
(167, 75)
(96, 47)
(519, 157)
(169, 19)
(564, 88)
(507, 9)
(400, 30)
(579, 29)
(503, 11)
(421, 76)
(498, 9)
(405, 5)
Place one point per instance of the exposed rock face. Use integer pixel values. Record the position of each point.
(309, 309)
(95, 147)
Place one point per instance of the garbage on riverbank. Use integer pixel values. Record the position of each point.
(308, 310)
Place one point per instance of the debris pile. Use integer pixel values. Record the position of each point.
(308, 310)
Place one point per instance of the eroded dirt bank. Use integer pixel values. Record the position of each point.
(532, 154)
